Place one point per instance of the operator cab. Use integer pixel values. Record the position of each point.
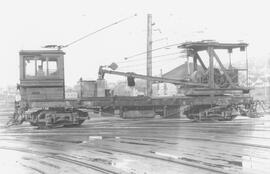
(42, 74)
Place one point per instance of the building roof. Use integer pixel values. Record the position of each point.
(180, 72)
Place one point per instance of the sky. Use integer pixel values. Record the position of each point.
(30, 24)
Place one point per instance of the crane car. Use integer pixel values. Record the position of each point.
(209, 93)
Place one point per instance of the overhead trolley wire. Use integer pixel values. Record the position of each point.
(145, 52)
(143, 64)
(103, 28)
(163, 55)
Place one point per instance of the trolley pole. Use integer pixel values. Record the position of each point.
(149, 54)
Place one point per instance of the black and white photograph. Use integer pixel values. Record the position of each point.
(135, 87)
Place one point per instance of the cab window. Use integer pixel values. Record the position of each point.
(30, 68)
(40, 66)
(52, 66)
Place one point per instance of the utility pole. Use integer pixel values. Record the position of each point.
(158, 84)
(211, 81)
(247, 67)
(149, 54)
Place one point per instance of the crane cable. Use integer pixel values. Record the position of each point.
(103, 28)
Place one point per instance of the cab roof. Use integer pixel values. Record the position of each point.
(40, 52)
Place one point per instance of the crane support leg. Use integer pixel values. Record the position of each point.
(200, 60)
(211, 81)
(222, 68)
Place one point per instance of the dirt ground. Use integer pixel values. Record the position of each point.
(114, 145)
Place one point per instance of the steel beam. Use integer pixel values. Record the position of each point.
(223, 68)
(150, 78)
(200, 60)
(211, 81)
(195, 65)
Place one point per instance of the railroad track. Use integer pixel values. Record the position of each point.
(188, 132)
(164, 137)
(97, 168)
(152, 155)
(100, 169)
(61, 157)
(166, 159)
(159, 137)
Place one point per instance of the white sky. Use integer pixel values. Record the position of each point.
(29, 24)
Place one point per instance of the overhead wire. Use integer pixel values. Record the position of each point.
(103, 28)
(153, 57)
(159, 48)
(141, 68)
(143, 64)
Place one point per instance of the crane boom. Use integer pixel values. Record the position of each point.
(102, 72)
